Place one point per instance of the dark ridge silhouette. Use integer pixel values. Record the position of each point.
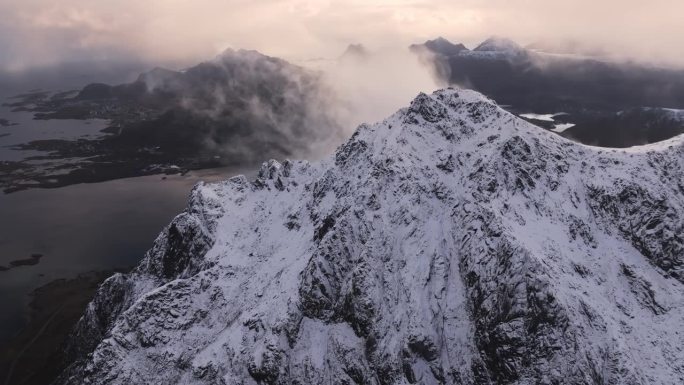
(235, 110)
(603, 99)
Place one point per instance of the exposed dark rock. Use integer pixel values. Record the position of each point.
(534, 261)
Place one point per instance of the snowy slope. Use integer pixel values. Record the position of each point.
(451, 243)
(497, 48)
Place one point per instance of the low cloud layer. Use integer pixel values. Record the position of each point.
(41, 32)
(373, 86)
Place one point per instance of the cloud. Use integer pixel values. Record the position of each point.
(376, 84)
(40, 32)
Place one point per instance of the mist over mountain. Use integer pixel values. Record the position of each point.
(224, 111)
(232, 110)
(355, 52)
(237, 105)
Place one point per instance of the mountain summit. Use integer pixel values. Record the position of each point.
(355, 52)
(452, 243)
(501, 48)
(498, 44)
(441, 46)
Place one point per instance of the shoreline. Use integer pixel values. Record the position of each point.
(34, 355)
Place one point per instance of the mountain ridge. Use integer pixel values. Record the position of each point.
(588, 93)
(450, 243)
(220, 112)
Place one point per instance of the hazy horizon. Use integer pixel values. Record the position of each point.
(37, 33)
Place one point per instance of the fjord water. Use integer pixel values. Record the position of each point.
(81, 228)
(78, 228)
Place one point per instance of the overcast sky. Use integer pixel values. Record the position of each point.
(41, 32)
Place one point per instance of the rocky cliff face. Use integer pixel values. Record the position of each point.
(451, 243)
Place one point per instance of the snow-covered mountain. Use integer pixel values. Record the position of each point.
(589, 91)
(495, 48)
(500, 48)
(452, 243)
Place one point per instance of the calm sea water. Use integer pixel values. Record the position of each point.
(83, 228)
(77, 228)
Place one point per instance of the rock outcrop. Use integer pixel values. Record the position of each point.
(452, 243)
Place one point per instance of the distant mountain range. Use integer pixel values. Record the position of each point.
(242, 106)
(232, 110)
(598, 97)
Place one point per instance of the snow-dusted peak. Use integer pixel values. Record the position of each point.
(246, 57)
(355, 52)
(451, 243)
(499, 44)
(447, 118)
(469, 115)
(498, 48)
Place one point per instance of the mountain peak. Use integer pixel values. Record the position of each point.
(246, 55)
(157, 76)
(441, 46)
(499, 44)
(355, 52)
(450, 243)
(452, 104)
